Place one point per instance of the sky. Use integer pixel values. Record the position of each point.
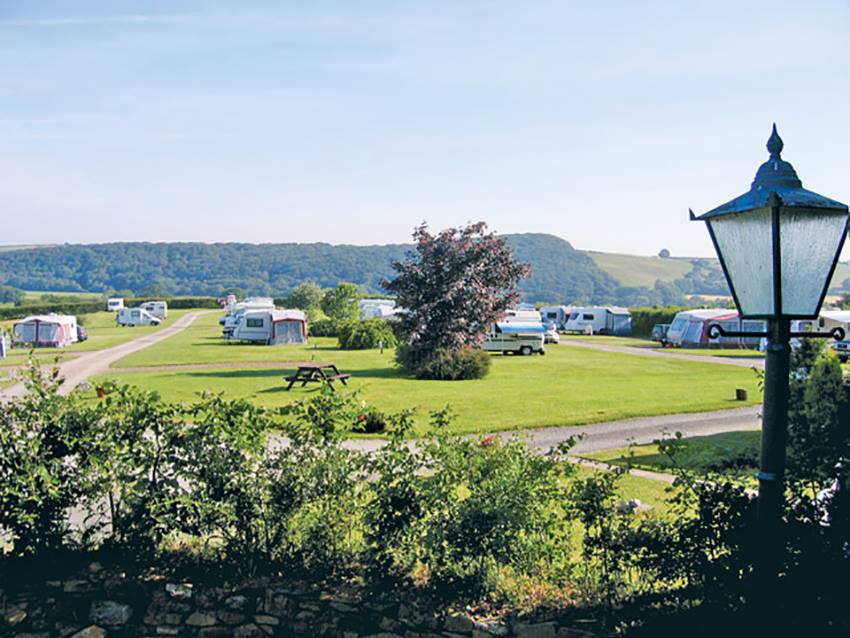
(354, 121)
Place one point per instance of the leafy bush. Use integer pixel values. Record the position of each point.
(40, 436)
(444, 364)
(371, 421)
(323, 328)
(365, 335)
(643, 319)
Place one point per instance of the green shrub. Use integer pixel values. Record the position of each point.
(444, 364)
(643, 319)
(323, 328)
(367, 334)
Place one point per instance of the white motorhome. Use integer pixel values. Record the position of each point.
(555, 315)
(114, 303)
(271, 327)
(135, 317)
(158, 309)
(606, 320)
(516, 338)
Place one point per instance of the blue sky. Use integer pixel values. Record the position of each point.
(350, 122)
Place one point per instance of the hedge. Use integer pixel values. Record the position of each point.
(644, 318)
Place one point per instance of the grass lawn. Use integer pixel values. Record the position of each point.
(568, 386)
(732, 453)
(102, 331)
(637, 342)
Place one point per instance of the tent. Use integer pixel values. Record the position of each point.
(48, 331)
(690, 329)
(288, 327)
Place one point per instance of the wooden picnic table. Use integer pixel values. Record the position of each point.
(325, 372)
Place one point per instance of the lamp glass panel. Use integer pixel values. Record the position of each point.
(745, 243)
(809, 240)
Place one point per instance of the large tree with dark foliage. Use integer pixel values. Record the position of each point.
(454, 285)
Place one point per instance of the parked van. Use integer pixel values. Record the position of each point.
(516, 338)
(158, 309)
(521, 315)
(234, 312)
(135, 317)
(114, 303)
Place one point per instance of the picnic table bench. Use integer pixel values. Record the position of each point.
(325, 372)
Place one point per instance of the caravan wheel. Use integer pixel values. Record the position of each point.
(525, 351)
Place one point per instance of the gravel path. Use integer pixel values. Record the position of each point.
(614, 434)
(741, 362)
(89, 364)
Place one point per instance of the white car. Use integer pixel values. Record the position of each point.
(552, 335)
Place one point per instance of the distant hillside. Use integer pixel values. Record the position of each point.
(560, 273)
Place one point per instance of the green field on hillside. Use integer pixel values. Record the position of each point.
(636, 270)
(568, 386)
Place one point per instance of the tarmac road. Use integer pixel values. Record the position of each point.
(89, 364)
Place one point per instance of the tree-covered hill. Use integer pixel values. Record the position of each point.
(560, 273)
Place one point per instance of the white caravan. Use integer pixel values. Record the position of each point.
(607, 320)
(231, 317)
(158, 309)
(556, 316)
(271, 327)
(521, 315)
(135, 317)
(516, 338)
(114, 303)
(52, 331)
(377, 308)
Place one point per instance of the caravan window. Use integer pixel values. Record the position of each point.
(551, 315)
(588, 317)
(254, 323)
(136, 314)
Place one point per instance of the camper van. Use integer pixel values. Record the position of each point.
(158, 309)
(114, 303)
(605, 320)
(555, 316)
(515, 338)
(271, 327)
(135, 317)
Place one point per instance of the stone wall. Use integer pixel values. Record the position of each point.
(98, 603)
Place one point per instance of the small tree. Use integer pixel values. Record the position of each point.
(340, 303)
(453, 287)
(304, 296)
(664, 253)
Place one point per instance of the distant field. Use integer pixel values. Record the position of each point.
(568, 386)
(635, 270)
(6, 249)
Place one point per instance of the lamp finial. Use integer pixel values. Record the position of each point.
(774, 144)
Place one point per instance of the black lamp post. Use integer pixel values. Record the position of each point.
(778, 245)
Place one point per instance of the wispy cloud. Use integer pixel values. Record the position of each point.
(126, 19)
